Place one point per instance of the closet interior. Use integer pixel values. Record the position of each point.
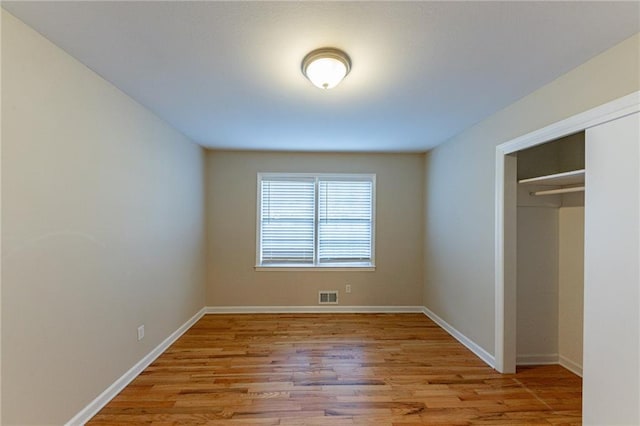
(550, 253)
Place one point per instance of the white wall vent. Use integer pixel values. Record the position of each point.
(328, 297)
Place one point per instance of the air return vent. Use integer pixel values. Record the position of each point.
(326, 297)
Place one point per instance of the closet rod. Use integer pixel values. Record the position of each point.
(558, 191)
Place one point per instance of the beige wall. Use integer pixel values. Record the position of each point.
(550, 282)
(571, 286)
(102, 230)
(537, 284)
(459, 187)
(231, 212)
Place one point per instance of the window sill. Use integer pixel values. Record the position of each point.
(314, 268)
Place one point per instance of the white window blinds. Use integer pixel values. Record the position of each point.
(287, 220)
(316, 220)
(344, 221)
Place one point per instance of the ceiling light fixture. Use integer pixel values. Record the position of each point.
(326, 67)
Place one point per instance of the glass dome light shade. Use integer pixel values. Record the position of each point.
(326, 67)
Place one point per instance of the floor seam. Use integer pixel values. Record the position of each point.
(525, 387)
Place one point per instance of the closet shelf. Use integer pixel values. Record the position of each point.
(574, 177)
(559, 183)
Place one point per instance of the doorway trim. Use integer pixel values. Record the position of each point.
(505, 211)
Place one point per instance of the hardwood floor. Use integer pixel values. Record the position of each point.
(336, 369)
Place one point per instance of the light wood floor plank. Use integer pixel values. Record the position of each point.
(336, 369)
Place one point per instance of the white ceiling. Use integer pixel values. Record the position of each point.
(227, 74)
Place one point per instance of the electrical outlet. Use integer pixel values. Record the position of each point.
(141, 332)
(347, 288)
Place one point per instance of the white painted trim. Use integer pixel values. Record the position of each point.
(609, 111)
(505, 348)
(574, 367)
(550, 359)
(499, 262)
(470, 344)
(315, 268)
(537, 359)
(97, 404)
(595, 116)
(310, 309)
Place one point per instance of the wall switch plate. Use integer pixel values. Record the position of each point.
(141, 332)
(347, 288)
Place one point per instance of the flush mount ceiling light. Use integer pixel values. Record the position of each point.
(326, 67)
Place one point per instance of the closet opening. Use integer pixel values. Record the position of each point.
(549, 252)
(610, 349)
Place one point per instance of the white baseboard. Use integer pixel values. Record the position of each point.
(574, 367)
(96, 405)
(470, 344)
(537, 359)
(550, 359)
(310, 309)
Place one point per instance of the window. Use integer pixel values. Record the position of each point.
(316, 220)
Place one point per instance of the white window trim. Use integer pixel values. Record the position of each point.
(316, 266)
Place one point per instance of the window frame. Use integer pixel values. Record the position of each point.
(316, 266)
